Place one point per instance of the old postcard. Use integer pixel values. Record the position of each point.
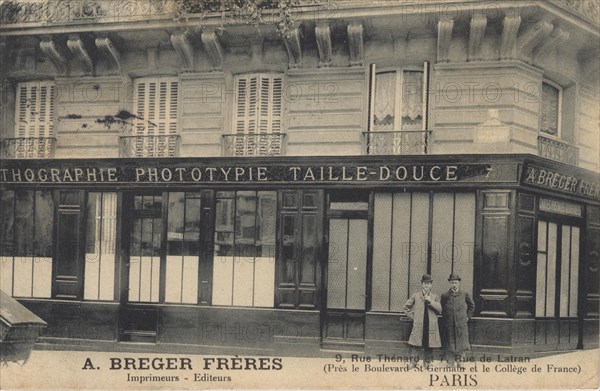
(299, 194)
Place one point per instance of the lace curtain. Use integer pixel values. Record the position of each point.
(386, 96)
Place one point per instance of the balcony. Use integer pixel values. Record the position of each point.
(558, 150)
(407, 142)
(27, 148)
(149, 146)
(262, 144)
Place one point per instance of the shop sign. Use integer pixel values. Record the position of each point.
(560, 207)
(580, 185)
(190, 173)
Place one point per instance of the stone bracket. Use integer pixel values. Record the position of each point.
(294, 49)
(476, 34)
(444, 37)
(510, 28)
(557, 38)
(534, 36)
(185, 50)
(323, 35)
(79, 49)
(213, 48)
(355, 41)
(108, 49)
(55, 53)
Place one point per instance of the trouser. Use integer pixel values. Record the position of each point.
(455, 358)
(415, 354)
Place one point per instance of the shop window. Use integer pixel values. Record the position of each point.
(34, 119)
(101, 236)
(258, 114)
(557, 255)
(26, 227)
(155, 104)
(183, 248)
(244, 255)
(416, 233)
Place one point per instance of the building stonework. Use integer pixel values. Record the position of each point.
(173, 176)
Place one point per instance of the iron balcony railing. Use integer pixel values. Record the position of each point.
(27, 148)
(257, 144)
(558, 150)
(149, 146)
(405, 142)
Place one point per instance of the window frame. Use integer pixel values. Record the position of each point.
(158, 80)
(559, 88)
(399, 93)
(234, 112)
(50, 131)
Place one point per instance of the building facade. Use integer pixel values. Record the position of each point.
(184, 177)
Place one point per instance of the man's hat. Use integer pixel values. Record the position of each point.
(453, 277)
(426, 278)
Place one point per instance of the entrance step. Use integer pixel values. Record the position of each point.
(343, 345)
(139, 336)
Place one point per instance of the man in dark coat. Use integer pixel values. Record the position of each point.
(423, 307)
(457, 310)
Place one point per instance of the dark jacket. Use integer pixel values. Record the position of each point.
(414, 309)
(457, 310)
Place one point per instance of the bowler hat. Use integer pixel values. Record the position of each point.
(453, 277)
(426, 278)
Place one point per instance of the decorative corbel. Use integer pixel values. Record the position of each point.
(445, 27)
(78, 49)
(110, 52)
(557, 38)
(508, 41)
(213, 49)
(55, 53)
(292, 44)
(355, 40)
(323, 34)
(185, 50)
(533, 36)
(476, 34)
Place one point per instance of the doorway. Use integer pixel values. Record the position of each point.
(346, 275)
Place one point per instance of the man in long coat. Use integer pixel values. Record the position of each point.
(457, 310)
(422, 307)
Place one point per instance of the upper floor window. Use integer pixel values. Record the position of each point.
(258, 115)
(551, 109)
(34, 120)
(398, 111)
(155, 130)
(398, 100)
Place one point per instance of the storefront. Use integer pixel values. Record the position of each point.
(292, 254)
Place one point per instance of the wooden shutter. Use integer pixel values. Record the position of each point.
(258, 104)
(35, 109)
(550, 111)
(156, 106)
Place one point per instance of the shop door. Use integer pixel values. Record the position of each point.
(344, 314)
(139, 316)
(557, 286)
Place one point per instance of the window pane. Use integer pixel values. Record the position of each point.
(23, 261)
(412, 100)
(7, 213)
(100, 246)
(267, 208)
(385, 101)
(43, 249)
